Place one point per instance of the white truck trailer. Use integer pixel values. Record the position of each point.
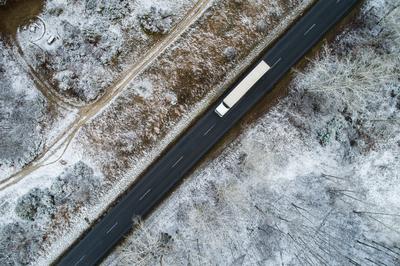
(240, 90)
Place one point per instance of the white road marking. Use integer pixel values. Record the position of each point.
(177, 162)
(80, 260)
(144, 195)
(208, 130)
(112, 227)
(337, 1)
(276, 62)
(309, 29)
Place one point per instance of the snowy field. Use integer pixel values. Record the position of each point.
(315, 181)
(69, 53)
(88, 137)
(102, 38)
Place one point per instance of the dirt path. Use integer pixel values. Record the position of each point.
(52, 95)
(42, 85)
(86, 113)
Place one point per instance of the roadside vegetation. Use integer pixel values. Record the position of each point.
(182, 81)
(313, 182)
(38, 212)
(85, 139)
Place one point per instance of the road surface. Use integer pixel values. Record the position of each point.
(203, 135)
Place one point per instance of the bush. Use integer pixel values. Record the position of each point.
(156, 21)
(22, 111)
(76, 184)
(19, 243)
(36, 203)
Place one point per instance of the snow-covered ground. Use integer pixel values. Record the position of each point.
(102, 38)
(22, 112)
(111, 141)
(314, 181)
(68, 50)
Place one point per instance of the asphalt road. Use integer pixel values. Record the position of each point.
(203, 135)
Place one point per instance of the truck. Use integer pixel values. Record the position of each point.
(242, 88)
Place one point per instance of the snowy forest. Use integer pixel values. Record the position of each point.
(311, 179)
(315, 181)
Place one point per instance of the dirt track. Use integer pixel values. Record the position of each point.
(61, 142)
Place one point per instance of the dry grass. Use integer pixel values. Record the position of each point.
(188, 72)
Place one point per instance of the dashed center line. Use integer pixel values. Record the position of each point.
(309, 29)
(112, 227)
(208, 130)
(276, 62)
(144, 195)
(80, 260)
(177, 162)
